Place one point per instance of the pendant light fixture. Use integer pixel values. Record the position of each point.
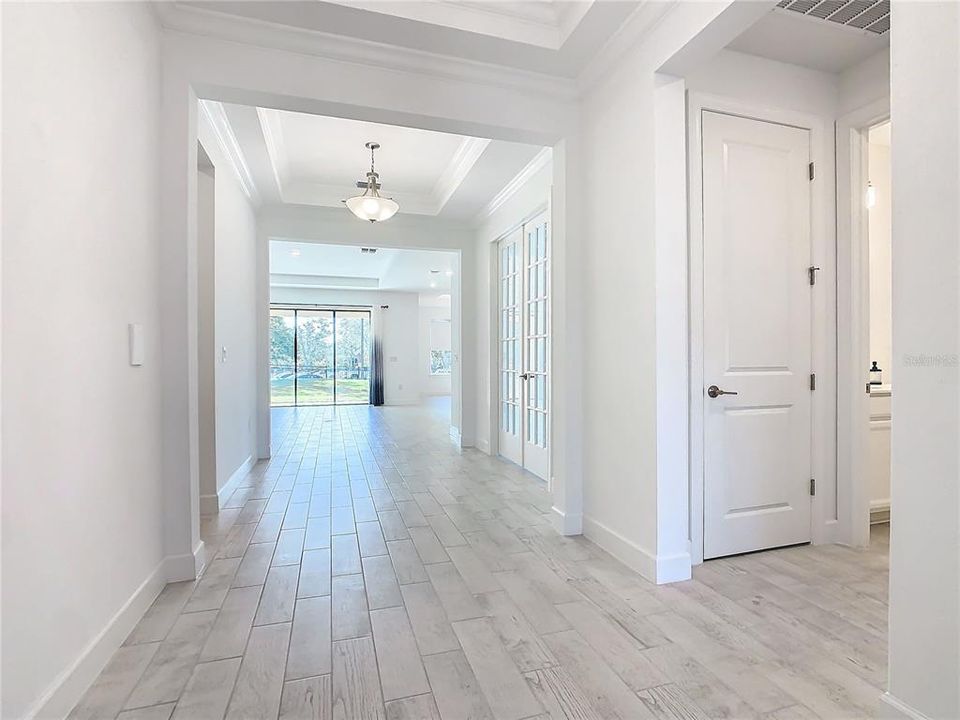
(371, 206)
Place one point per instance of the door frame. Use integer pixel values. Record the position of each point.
(493, 289)
(853, 321)
(823, 337)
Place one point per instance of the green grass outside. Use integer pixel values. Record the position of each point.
(318, 392)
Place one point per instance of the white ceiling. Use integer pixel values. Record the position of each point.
(298, 264)
(790, 37)
(556, 37)
(304, 159)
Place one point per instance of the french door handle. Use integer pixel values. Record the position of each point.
(524, 376)
(715, 392)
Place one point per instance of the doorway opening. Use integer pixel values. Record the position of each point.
(876, 199)
(319, 356)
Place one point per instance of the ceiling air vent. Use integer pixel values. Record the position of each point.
(872, 15)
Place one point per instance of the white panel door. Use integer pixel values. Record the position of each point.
(510, 346)
(524, 346)
(536, 356)
(757, 335)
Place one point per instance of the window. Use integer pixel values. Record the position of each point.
(441, 355)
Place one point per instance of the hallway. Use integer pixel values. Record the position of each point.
(372, 570)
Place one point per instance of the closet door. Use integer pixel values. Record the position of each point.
(510, 341)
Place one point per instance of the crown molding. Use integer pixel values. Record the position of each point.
(272, 130)
(503, 20)
(540, 161)
(208, 23)
(641, 23)
(330, 195)
(213, 112)
(457, 170)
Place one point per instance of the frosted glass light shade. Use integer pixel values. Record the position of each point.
(372, 207)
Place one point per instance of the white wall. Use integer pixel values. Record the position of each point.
(432, 309)
(400, 333)
(235, 321)
(925, 481)
(530, 198)
(82, 496)
(634, 294)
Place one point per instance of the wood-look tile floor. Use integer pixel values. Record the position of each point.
(370, 570)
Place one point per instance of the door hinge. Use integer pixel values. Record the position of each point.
(813, 381)
(812, 274)
(810, 171)
(813, 487)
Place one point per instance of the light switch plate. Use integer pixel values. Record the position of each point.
(135, 340)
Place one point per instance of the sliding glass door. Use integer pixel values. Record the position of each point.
(319, 356)
(315, 357)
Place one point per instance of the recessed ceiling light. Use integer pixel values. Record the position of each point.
(433, 284)
(295, 253)
(434, 272)
(449, 273)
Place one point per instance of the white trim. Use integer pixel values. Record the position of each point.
(456, 436)
(566, 523)
(455, 173)
(207, 23)
(853, 324)
(223, 131)
(273, 140)
(539, 161)
(879, 511)
(901, 707)
(483, 446)
(69, 686)
(628, 36)
(211, 504)
(498, 20)
(824, 528)
(190, 566)
(656, 569)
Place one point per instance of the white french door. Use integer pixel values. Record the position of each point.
(757, 335)
(524, 343)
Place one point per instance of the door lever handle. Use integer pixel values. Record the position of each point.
(715, 392)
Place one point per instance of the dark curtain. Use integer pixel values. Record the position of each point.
(376, 361)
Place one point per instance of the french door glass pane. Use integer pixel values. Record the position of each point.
(315, 353)
(353, 357)
(282, 366)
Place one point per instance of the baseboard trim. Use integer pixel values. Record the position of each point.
(879, 511)
(657, 569)
(211, 504)
(184, 567)
(68, 687)
(906, 712)
(566, 523)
